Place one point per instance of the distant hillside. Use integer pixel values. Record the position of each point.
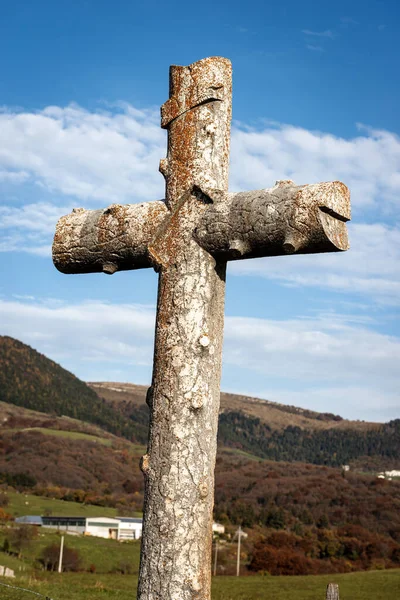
(262, 428)
(282, 433)
(126, 397)
(31, 380)
(308, 518)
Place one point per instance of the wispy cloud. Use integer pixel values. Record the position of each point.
(370, 269)
(328, 33)
(101, 157)
(346, 21)
(328, 353)
(315, 48)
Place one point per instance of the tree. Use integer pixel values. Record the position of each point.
(51, 554)
(4, 499)
(21, 538)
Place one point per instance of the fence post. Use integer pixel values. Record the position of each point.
(332, 591)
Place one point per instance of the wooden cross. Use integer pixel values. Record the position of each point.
(188, 238)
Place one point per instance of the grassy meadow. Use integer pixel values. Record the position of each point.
(28, 504)
(372, 585)
(109, 558)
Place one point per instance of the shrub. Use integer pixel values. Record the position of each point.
(51, 554)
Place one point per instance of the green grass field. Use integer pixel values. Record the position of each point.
(72, 435)
(28, 504)
(373, 585)
(108, 556)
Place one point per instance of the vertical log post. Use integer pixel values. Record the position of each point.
(332, 592)
(184, 396)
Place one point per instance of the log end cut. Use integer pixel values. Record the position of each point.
(333, 202)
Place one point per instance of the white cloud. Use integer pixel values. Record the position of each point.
(346, 21)
(13, 176)
(109, 155)
(94, 158)
(321, 349)
(368, 164)
(356, 402)
(329, 354)
(102, 157)
(371, 268)
(100, 332)
(39, 217)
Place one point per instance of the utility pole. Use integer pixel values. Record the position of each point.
(215, 556)
(61, 555)
(239, 532)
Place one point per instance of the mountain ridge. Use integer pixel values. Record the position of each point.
(262, 428)
(275, 414)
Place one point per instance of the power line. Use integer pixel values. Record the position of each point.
(15, 587)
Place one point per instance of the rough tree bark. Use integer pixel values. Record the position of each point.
(184, 396)
(284, 219)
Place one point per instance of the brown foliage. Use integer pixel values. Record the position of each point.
(50, 557)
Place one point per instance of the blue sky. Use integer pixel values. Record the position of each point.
(316, 98)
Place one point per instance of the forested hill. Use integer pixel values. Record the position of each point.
(375, 449)
(31, 380)
(261, 428)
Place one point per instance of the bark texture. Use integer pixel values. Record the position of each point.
(281, 220)
(184, 397)
(269, 222)
(114, 239)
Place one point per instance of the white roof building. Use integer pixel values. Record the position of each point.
(118, 528)
(218, 528)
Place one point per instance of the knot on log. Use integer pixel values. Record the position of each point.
(196, 400)
(145, 464)
(149, 396)
(203, 489)
(163, 168)
(110, 268)
(204, 340)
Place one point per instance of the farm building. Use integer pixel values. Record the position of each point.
(130, 528)
(218, 528)
(118, 528)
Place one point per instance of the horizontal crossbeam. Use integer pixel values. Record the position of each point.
(281, 220)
